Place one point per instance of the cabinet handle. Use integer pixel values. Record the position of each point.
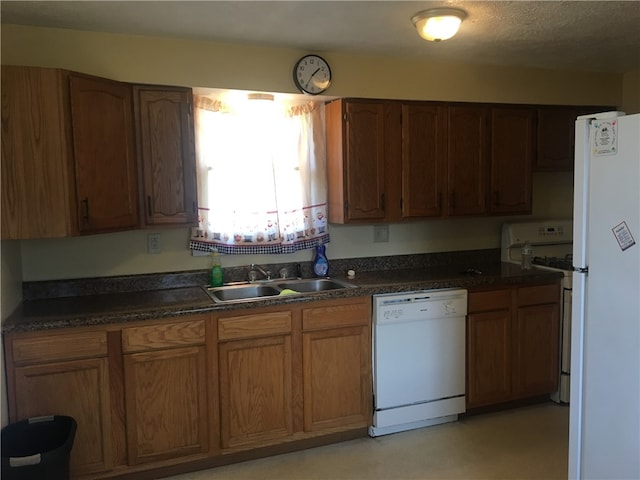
(195, 208)
(86, 209)
(149, 205)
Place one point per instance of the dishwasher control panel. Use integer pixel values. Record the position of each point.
(419, 305)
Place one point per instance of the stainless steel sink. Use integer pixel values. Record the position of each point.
(232, 293)
(247, 292)
(314, 285)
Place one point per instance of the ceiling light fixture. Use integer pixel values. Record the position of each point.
(438, 23)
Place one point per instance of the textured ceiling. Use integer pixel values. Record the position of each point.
(575, 35)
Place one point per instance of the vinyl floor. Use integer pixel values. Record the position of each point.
(524, 443)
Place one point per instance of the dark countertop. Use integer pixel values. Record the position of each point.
(109, 308)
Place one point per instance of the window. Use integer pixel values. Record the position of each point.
(262, 182)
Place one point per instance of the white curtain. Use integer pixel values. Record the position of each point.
(262, 182)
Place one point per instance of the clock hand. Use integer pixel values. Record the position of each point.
(317, 70)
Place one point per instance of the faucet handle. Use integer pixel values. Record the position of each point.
(284, 273)
(252, 275)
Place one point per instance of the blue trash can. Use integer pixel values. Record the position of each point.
(38, 448)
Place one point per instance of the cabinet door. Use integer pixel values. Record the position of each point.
(255, 391)
(511, 158)
(556, 137)
(104, 148)
(81, 391)
(365, 160)
(336, 360)
(535, 365)
(38, 198)
(488, 357)
(337, 389)
(166, 403)
(467, 160)
(164, 120)
(423, 147)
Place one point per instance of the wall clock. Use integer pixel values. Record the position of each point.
(312, 74)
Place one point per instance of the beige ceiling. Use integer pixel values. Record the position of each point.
(576, 35)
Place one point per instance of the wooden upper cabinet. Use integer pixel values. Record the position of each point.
(356, 160)
(467, 162)
(423, 159)
(38, 198)
(511, 159)
(104, 149)
(556, 134)
(166, 155)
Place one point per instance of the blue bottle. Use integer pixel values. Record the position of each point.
(320, 262)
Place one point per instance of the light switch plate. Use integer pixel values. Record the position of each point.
(380, 233)
(153, 245)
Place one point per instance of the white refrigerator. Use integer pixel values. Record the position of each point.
(604, 425)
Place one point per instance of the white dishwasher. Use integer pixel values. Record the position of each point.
(418, 359)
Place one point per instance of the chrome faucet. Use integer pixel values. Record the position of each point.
(253, 272)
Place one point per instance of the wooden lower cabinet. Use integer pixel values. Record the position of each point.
(512, 343)
(336, 348)
(488, 357)
(294, 374)
(536, 334)
(166, 384)
(198, 391)
(50, 377)
(255, 391)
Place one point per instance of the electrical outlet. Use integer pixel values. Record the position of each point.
(153, 245)
(380, 233)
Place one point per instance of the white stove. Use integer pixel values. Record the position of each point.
(552, 244)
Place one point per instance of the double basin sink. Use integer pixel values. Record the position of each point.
(246, 292)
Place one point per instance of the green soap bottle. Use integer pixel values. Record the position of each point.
(216, 269)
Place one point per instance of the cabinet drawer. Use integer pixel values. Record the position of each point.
(52, 348)
(539, 294)
(490, 300)
(257, 325)
(154, 337)
(333, 316)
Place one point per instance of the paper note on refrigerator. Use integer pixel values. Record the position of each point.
(623, 235)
